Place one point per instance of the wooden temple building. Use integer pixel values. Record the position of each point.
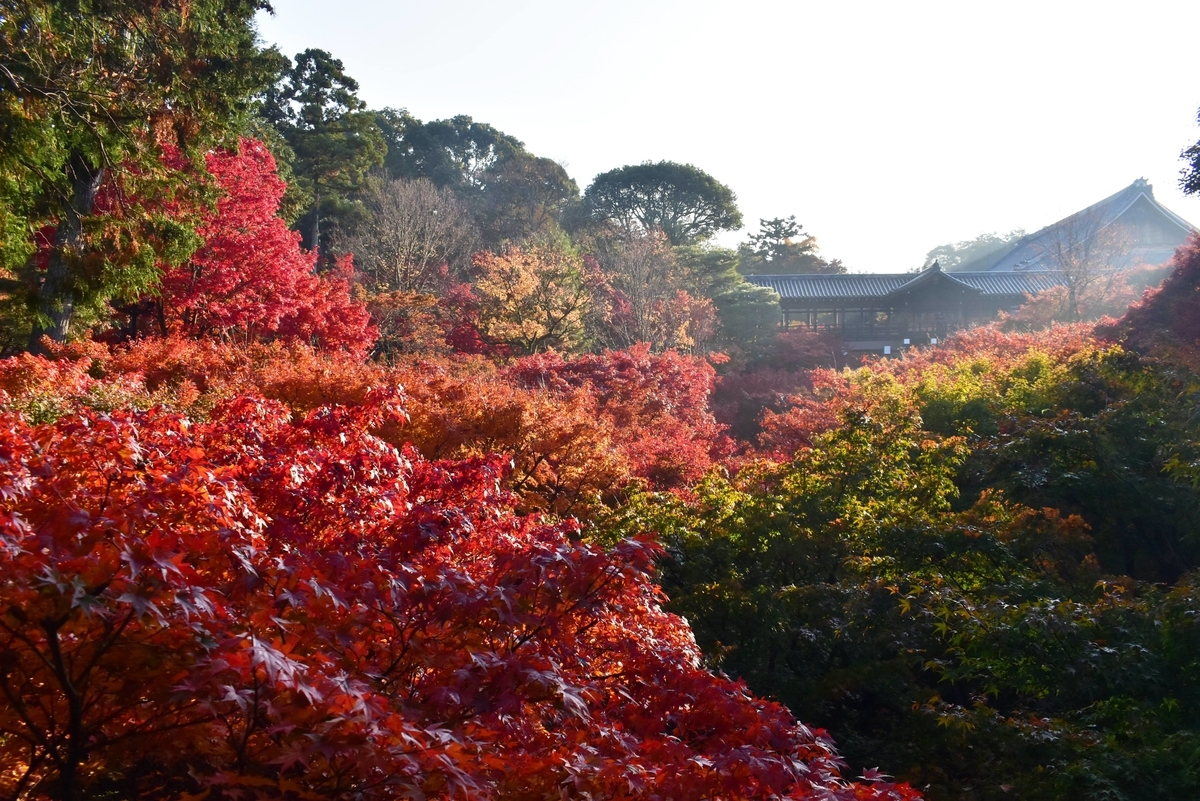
(1146, 231)
(886, 312)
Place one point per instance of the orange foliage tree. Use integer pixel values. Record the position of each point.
(531, 299)
(577, 432)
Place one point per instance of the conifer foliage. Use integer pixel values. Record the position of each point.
(92, 88)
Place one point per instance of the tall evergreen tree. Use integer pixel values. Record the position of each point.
(336, 141)
(89, 86)
(783, 247)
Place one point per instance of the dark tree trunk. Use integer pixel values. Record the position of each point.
(56, 295)
(310, 236)
(75, 753)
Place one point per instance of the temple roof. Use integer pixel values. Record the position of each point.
(1029, 252)
(1009, 283)
(863, 286)
(853, 285)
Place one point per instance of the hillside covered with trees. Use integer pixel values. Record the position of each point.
(349, 455)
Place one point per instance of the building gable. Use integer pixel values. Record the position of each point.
(1138, 228)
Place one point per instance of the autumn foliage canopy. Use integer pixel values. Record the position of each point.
(260, 604)
(239, 561)
(537, 502)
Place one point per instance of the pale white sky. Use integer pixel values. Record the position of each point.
(887, 128)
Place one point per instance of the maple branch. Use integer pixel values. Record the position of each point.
(33, 731)
(76, 747)
(109, 641)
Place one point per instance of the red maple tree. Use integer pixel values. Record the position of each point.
(578, 431)
(250, 280)
(1166, 322)
(260, 606)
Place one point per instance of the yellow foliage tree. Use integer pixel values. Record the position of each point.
(532, 299)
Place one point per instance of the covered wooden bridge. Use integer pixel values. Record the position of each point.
(883, 312)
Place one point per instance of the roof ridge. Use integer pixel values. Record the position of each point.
(1096, 217)
(909, 276)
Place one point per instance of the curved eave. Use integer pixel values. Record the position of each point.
(930, 276)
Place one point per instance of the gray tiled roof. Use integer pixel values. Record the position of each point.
(1009, 283)
(1029, 252)
(855, 286)
(851, 285)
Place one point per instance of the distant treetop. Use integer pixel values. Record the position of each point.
(453, 153)
(974, 253)
(782, 247)
(688, 204)
(1190, 175)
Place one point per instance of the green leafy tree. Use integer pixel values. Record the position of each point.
(933, 634)
(334, 139)
(749, 315)
(514, 196)
(454, 153)
(523, 197)
(1100, 443)
(708, 270)
(686, 203)
(89, 89)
